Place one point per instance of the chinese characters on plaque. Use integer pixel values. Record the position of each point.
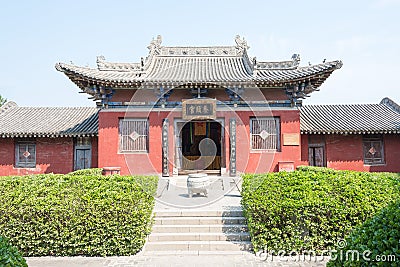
(199, 109)
(165, 167)
(232, 133)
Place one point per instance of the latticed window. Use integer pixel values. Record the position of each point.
(264, 133)
(133, 135)
(373, 149)
(25, 155)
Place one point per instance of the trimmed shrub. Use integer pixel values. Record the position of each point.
(315, 169)
(9, 255)
(68, 215)
(377, 241)
(314, 208)
(93, 171)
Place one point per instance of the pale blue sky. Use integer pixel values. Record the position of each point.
(34, 35)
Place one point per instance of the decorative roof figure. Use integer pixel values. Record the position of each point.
(155, 45)
(241, 45)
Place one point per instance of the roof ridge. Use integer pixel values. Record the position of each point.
(7, 105)
(356, 104)
(58, 107)
(391, 104)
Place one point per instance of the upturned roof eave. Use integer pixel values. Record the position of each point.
(80, 78)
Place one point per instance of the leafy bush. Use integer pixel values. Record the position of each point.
(315, 169)
(9, 255)
(90, 215)
(314, 208)
(378, 239)
(93, 171)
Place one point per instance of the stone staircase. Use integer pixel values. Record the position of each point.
(198, 231)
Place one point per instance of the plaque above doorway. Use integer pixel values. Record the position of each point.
(199, 109)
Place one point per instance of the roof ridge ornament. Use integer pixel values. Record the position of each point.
(391, 104)
(241, 45)
(296, 58)
(100, 61)
(154, 49)
(7, 105)
(155, 45)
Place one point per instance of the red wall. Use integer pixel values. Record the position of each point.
(150, 163)
(263, 161)
(52, 155)
(345, 152)
(134, 163)
(95, 152)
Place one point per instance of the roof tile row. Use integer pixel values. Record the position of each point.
(48, 121)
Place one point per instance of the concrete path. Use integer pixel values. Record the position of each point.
(222, 194)
(182, 260)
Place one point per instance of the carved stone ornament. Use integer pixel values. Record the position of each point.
(155, 45)
(241, 44)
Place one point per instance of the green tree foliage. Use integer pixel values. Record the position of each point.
(9, 255)
(83, 213)
(312, 208)
(377, 241)
(2, 100)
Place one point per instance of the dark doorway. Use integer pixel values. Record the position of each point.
(201, 144)
(83, 153)
(316, 156)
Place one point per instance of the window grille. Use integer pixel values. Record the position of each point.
(264, 133)
(373, 149)
(25, 155)
(133, 135)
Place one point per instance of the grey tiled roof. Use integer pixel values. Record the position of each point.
(174, 66)
(47, 121)
(350, 119)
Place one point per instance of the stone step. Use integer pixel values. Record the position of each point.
(203, 228)
(203, 213)
(239, 236)
(198, 246)
(198, 220)
(181, 253)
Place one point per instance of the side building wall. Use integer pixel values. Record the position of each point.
(345, 152)
(53, 155)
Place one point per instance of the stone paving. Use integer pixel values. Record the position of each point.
(140, 260)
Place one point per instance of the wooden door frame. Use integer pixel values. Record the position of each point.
(82, 147)
(322, 145)
(177, 140)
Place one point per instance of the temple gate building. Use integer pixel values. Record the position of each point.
(208, 109)
(157, 112)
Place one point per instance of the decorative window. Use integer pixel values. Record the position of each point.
(133, 135)
(373, 149)
(25, 155)
(264, 133)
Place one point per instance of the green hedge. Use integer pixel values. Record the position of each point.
(377, 241)
(9, 255)
(312, 208)
(75, 214)
(93, 171)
